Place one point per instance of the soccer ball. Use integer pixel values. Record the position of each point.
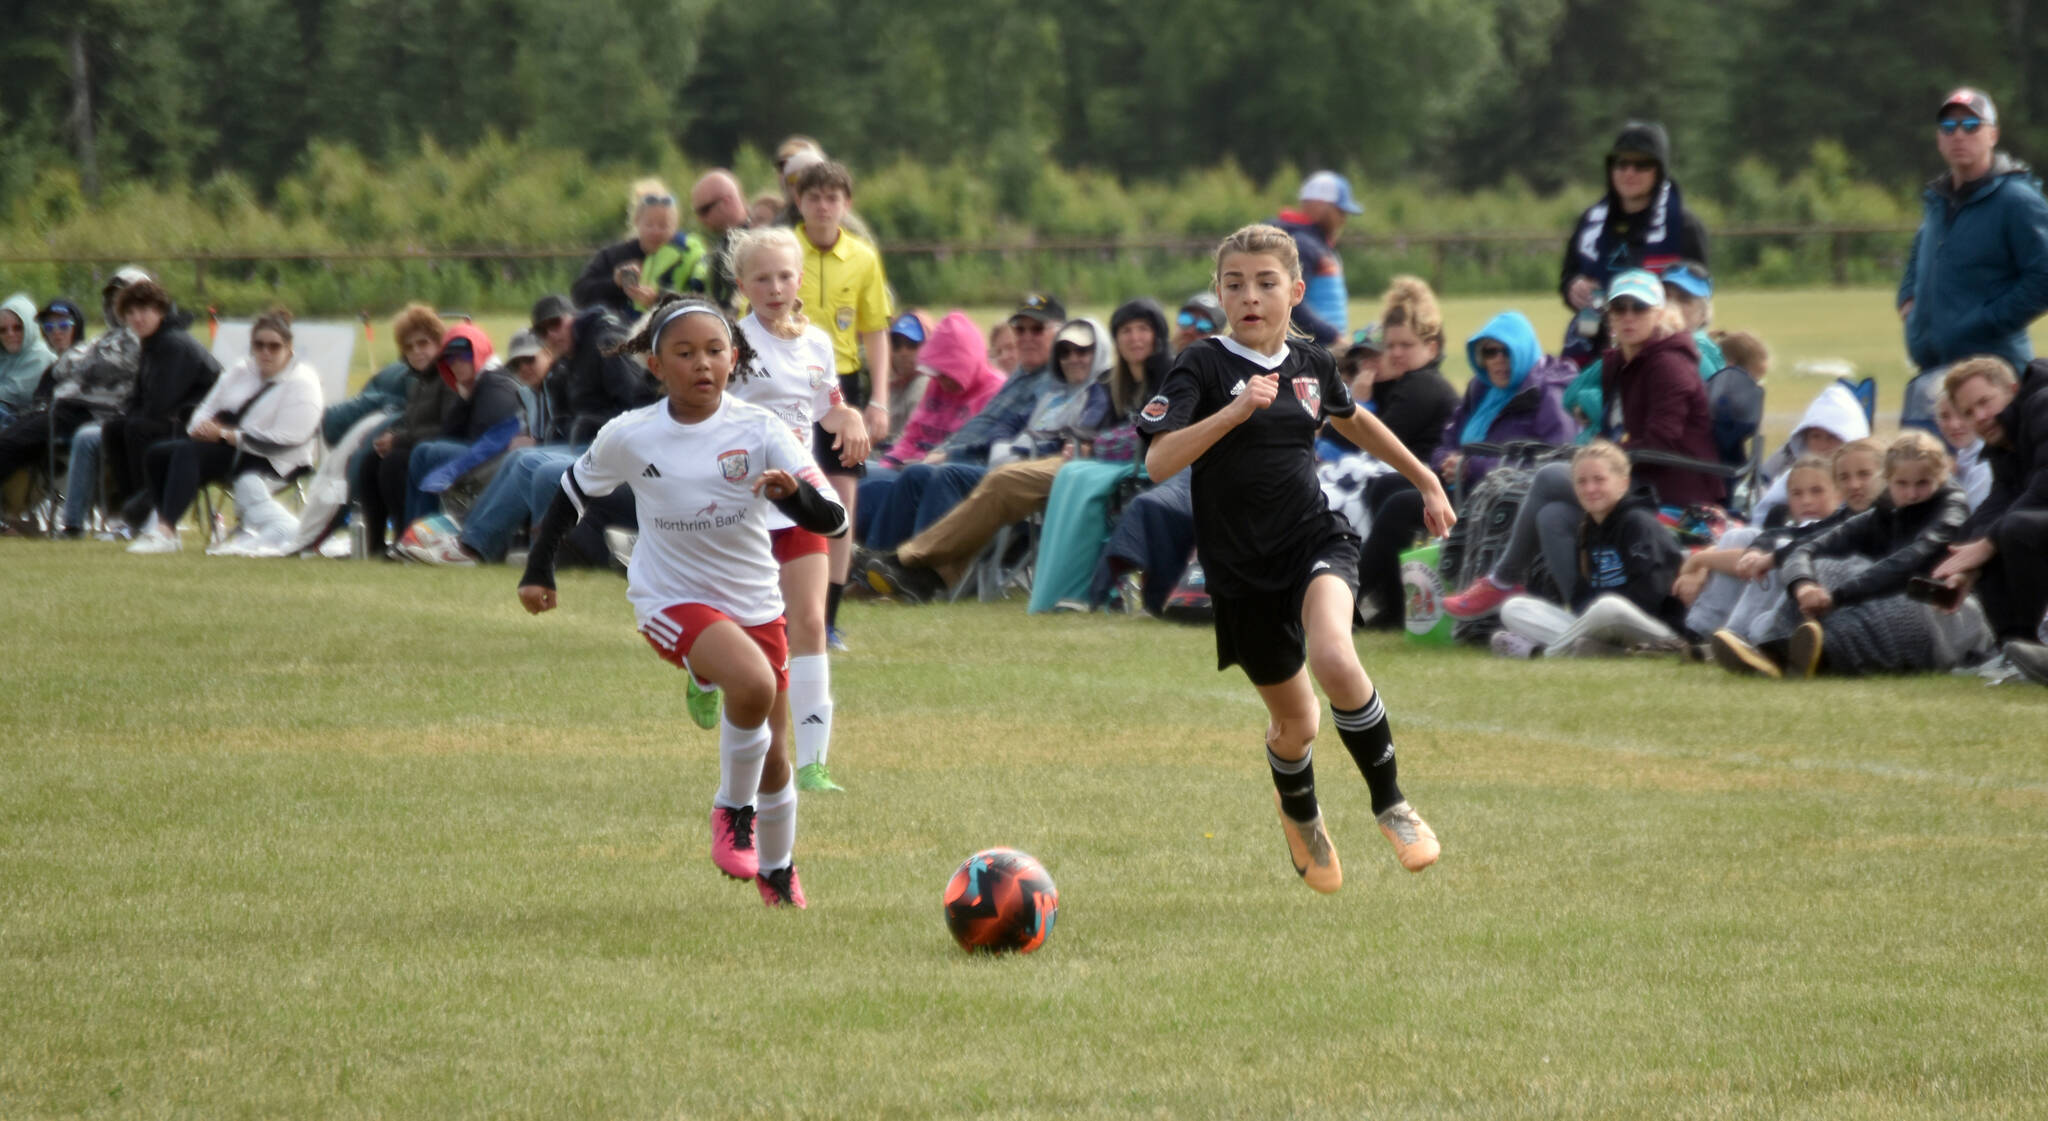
(1001, 900)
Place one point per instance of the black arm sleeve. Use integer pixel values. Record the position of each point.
(547, 540)
(813, 511)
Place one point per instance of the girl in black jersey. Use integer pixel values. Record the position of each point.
(1281, 565)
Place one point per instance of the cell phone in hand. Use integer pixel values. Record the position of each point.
(1934, 592)
(626, 276)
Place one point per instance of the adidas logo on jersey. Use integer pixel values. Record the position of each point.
(1238, 388)
(652, 472)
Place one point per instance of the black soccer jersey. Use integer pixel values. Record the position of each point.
(1260, 514)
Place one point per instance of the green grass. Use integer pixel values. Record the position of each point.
(319, 839)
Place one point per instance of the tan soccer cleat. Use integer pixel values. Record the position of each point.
(1315, 858)
(1415, 842)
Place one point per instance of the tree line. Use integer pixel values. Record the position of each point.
(1467, 94)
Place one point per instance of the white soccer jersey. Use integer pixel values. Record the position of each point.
(703, 530)
(793, 378)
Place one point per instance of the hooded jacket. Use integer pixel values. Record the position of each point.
(277, 420)
(1903, 541)
(1631, 554)
(598, 386)
(2019, 469)
(1531, 407)
(22, 371)
(434, 409)
(1837, 412)
(173, 373)
(1663, 406)
(962, 383)
(1415, 407)
(1129, 389)
(1067, 410)
(1609, 240)
(492, 397)
(1978, 270)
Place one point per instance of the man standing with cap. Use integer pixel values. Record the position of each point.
(1324, 311)
(1978, 271)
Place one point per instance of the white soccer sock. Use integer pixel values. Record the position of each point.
(775, 827)
(810, 707)
(740, 752)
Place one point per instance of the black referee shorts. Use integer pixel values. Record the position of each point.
(1262, 631)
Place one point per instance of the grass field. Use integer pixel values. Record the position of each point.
(1801, 326)
(322, 839)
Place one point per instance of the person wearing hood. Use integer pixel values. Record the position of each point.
(1077, 511)
(1640, 223)
(487, 395)
(1833, 419)
(1977, 274)
(1414, 401)
(1517, 393)
(1063, 424)
(24, 356)
(431, 400)
(1627, 564)
(961, 383)
(30, 435)
(173, 374)
(262, 415)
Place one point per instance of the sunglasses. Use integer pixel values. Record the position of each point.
(1626, 306)
(704, 208)
(1492, 350)
(1969, 125)
(13, 329)
(267, 346)
(657, 200)
(1636, 165)
(1198, 322)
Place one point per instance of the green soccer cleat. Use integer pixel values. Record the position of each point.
(813, 778)
(702, 703)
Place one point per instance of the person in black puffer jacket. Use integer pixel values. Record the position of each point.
(173, 374)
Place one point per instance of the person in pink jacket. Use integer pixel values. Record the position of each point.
(962, 382)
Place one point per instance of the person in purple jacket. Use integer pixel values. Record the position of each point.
(1517, 393)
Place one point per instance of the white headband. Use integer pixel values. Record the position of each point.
(680, 310)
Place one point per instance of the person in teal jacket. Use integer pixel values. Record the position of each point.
(1977, 274)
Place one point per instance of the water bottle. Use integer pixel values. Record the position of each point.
(358, 540)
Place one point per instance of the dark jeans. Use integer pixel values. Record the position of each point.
(379, 485)
(1549, 519)
(2014, 585)
(1396, 520)
(176, 470)
(124, 447)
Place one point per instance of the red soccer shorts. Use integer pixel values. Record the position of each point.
(676, 628)
(795, 541)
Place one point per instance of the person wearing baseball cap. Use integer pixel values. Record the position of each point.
(1324, 202)
(1989, 279)
(1200, 317)
(1036, 318)
(907, 380)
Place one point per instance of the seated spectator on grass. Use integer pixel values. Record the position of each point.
(1002, 347)
(1199, 318)
(1063, 423)
(1733, 585)
(1076, 512)
(1627, 563)
(922, 492)
(907, 378)
(1517, 393)
(1833, 419)
(522, 488)
(1414, 401)
(262, 416)
(24, 356)
(173, 374)
(1847, 611)
(2002, 552)
(1973, 471)
(487, 395)
(431, 397)
(627, 277)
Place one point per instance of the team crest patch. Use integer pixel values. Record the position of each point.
(844, 318)
(817, 376)
(1309, 392)
(1155, 409)
(733, 465)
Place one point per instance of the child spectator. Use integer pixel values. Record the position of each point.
(1847, 611)
(1731, 585)
(1627, 564)
(1740, 348)
(1973, 473)
(1002, 347)
(1833, 419)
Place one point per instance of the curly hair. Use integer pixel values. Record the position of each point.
(1410, 303)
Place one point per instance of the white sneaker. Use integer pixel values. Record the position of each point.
(237, 545)
(336, 546)
(443, 552)
(1508, 644)
(155, 542)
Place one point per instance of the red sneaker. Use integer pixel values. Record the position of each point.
(1483, 598)
(732, 842)
(780, 888)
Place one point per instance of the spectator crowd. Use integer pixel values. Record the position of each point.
(1637, 511)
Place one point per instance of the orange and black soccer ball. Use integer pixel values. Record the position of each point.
(1000, 901)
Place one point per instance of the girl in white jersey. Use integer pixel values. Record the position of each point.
(704, 469)
(792, 375)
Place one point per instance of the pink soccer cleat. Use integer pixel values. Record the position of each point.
(732, 842)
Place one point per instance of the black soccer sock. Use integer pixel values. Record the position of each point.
(832, 594)
(1295, 779)
(1366, 735)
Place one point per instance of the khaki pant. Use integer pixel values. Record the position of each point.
(1006, 494)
